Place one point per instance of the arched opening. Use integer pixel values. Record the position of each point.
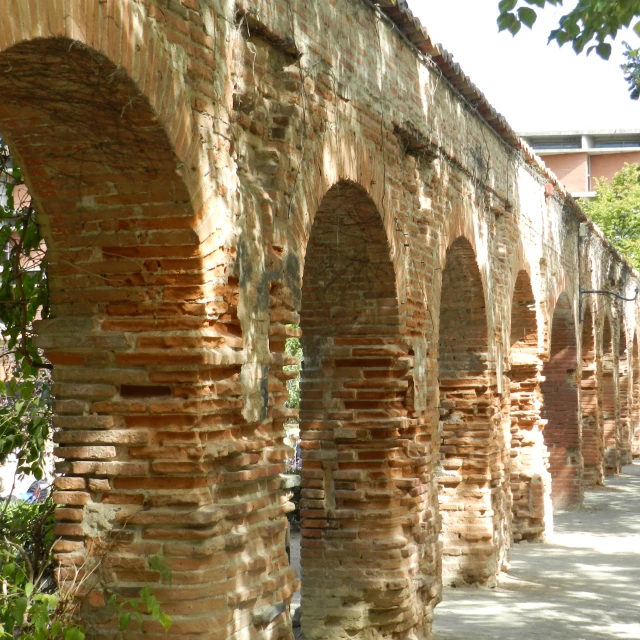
(560, 409)
(609, 411)
(140, 404)
(359, 551)
(624, 414)
(591, 422)
(635, 398)
(530, 480)
(472, 483)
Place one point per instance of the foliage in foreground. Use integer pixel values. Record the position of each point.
(587, 26)
(616, 210)
(293, 349)
(31, 606)
(25, 409)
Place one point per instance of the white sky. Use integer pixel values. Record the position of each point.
(537, 87)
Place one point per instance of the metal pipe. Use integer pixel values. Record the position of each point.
(584, 292)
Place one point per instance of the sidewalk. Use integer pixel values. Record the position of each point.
(583, 584)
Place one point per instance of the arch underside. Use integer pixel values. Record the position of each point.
(635, 399)
(530, 480)
(356, 477)
(562, 434)
(472, 484)
(592, 449)
(140, 404)
(609, 408)
(623, 399)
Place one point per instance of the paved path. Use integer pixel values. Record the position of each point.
(583, 584)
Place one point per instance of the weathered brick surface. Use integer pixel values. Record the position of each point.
(590, 385)
(529, 474)
(610, 408)
(562, 433)
(208, 174)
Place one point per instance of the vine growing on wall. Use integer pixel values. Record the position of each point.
(25, 407)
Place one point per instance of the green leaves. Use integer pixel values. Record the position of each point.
(293, 349)
(631, 70)
(616, 210)
(590, 26)
(74, 633)
(25, 412)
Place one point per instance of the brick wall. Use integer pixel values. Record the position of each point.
(623, 397)
(209, 175)
(607, 165)
(562, 433)
(472, 510)
(592, 438)
(635, 397)
(530, 479)
(609, 410)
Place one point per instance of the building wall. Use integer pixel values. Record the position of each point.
(214, 177)
(607, 165)
(572, 170)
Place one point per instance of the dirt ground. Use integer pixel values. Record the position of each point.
(583, 583)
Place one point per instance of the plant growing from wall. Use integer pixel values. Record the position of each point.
(31, 605)
(616, 210)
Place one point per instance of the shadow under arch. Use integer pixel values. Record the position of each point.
(140, 417)
(608, 401)
(560, 409)
(530, 479)
(472, 498)
(635, 397)
(360, 552)
(590, 410)
(624, 417)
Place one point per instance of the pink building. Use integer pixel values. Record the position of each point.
(578, 158)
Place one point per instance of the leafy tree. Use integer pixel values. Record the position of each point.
(587, 26)
(616, 210)
(631, 70)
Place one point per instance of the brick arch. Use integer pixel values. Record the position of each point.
(346, 160)
(635, 397)
(471, 446)
(530, 480)
(356, 527)
(462, 223)
(589, 391)
(623, 393)
(140, 401)
(560, 408)
(608, 398)
(122, 32)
